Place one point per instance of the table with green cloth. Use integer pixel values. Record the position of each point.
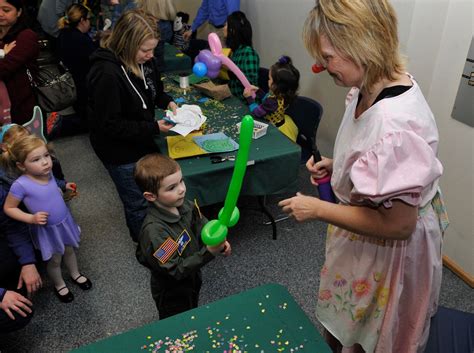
(273, 161)
(264, 319)
(175, 60)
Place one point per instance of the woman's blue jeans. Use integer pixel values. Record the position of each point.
(132, 198)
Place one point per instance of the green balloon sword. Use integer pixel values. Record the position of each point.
(215, 231)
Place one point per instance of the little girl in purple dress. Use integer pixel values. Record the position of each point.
(54, 231)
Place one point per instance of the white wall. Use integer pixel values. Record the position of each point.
(435, 35)
(439, 70)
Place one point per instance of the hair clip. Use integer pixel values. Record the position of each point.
(4, 130)
(66, 18)
(283, 59)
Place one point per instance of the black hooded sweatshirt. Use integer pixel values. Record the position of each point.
(121, 108)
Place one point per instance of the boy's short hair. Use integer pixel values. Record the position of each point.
(151, 169)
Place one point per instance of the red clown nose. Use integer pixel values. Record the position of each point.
(317, 68)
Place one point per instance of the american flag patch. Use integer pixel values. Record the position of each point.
(166, 249)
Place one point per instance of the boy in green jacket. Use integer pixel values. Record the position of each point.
(170, 239)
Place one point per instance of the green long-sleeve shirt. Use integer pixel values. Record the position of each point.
(172, 261)
(247, 60)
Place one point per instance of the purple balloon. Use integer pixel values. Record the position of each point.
(212, 73)
(212, 62)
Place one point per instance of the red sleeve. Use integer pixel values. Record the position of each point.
(25, 52)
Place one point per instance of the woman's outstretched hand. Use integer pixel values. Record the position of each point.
(301, 207)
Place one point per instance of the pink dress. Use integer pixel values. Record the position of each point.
(375, 292)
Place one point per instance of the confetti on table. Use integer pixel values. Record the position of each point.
(178, 345)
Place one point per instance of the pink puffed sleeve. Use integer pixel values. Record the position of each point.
(399, 166)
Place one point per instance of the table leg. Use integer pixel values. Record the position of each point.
(264, 209)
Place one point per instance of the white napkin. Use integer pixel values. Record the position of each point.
(188, 118)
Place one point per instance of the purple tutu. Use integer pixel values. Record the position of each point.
(51, 239)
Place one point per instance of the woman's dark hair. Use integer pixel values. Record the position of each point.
(286, 79)
(20, 24)
(239, 31)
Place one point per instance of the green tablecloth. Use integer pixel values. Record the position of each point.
(275, 158)
(265, 319)
(175, 60)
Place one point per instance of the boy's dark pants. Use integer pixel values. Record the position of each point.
(172, 296)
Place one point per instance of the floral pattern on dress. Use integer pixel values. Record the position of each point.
(352, 298)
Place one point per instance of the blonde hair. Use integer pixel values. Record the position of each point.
(132, 29)
(161, 9)
(151, 169)
(15, 132)
(73, 16)
(19, 150)
(365, 31)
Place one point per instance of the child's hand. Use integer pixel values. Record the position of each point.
(40, 218)
(217, 249)
(227, 250)
(9, 47)
(187, 35)
(70, 192)
(250, 91)
(71, 186)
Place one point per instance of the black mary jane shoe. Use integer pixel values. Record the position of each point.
(84, 285)
(65, 298)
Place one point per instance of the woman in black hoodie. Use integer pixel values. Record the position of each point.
(124, 87)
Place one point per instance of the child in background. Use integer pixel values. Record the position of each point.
(170, 240)
(180, 26)
(283, 83)
(54, 232)
(12, 132)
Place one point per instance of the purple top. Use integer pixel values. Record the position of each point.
(40, 197)
(269, 104)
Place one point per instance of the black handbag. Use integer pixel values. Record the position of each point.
(55, 90)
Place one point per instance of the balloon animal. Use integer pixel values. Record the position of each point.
(209, 62)
(215, 231)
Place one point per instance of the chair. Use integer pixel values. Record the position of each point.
(306, 114)
(263, 79)
(451, 331)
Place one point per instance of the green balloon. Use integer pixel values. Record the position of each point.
(215, 231)
(234, 217)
